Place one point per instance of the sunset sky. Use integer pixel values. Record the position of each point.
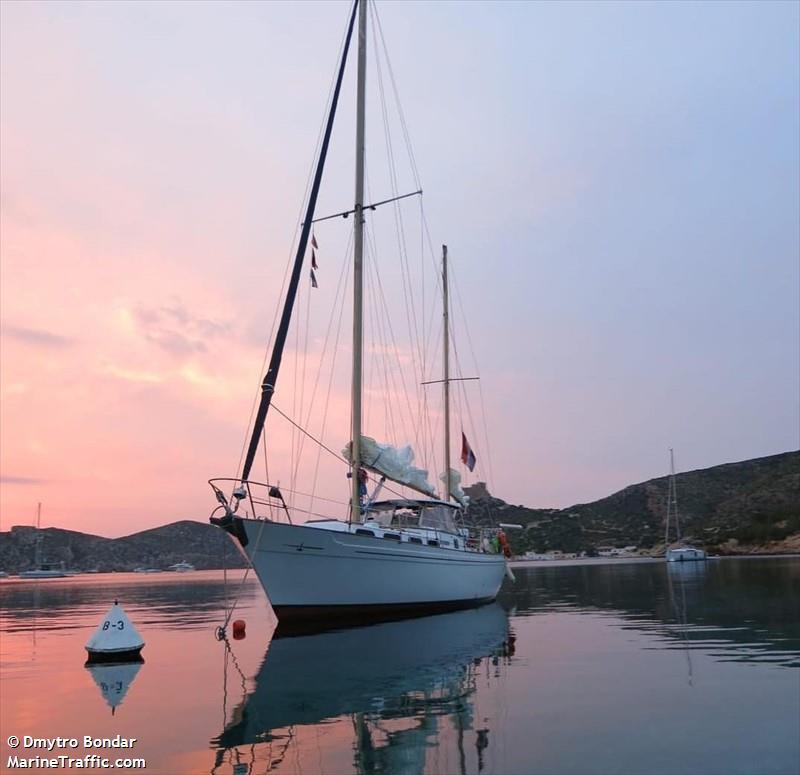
(617, 184)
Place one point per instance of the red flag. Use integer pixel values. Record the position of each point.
(313, 241)
(313, 259)
(467, 455)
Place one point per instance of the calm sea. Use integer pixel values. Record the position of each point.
(617, 667)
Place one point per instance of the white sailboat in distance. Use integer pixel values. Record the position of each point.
(44, 569)
(381, 558)
(682, 552)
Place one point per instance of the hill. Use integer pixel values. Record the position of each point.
(753, 505)
(204, 546)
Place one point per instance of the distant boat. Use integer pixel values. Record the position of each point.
(147, 570)
(3, 574)
(43, 573)
(43, 569)
(685, 553)
(682, 552)
(182, 567)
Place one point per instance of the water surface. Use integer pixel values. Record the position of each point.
(615, 667)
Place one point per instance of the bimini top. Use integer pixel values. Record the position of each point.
(412, 512)
(410, 503)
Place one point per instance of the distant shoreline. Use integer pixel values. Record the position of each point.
(521, 562)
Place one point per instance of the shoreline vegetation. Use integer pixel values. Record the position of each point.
(746, 508)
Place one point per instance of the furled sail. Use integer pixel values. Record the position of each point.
(393, 463)
(454, 487)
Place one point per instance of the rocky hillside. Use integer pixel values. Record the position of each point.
(753, 505)
(200, 544)
(738, 507)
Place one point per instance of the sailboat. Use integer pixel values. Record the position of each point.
(682, 552)
(398, 556)
(182, 567)
(43, 569)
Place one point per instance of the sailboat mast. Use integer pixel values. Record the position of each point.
(674, 492)
(446, 380)
(38, 552)
(358, 264)
(672, 501)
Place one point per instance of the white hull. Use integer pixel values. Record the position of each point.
(306, 570)
(686, 554)
(43, 574)
(182, 567)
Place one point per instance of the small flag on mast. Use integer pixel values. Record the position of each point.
(467, 455)
(313, 241)
(313, 259)
(313, 280)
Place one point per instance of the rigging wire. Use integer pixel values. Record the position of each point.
(379, 350)
(310, 436)
(462, 394)
(344, 279)
(411, 317)
(426, 349)
(488, 449)
(388, 345)
(296, 360)
(379, 356)
(403, 123)
(312, 166)
(381, 300)
(298, 443)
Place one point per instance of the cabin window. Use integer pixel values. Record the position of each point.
(433, 542)
(456, 544)
(438, 518)
(414, 540)
(405, 518)
(392, 536)
(360, 531)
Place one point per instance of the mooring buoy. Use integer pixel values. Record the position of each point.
(115, 639)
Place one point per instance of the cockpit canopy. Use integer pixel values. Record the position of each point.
(434, 515)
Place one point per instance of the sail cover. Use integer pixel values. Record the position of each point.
(455, 487)
(393, 463)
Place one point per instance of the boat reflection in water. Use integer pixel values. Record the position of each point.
(392, 681)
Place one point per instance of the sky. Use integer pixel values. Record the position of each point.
(617, 183)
